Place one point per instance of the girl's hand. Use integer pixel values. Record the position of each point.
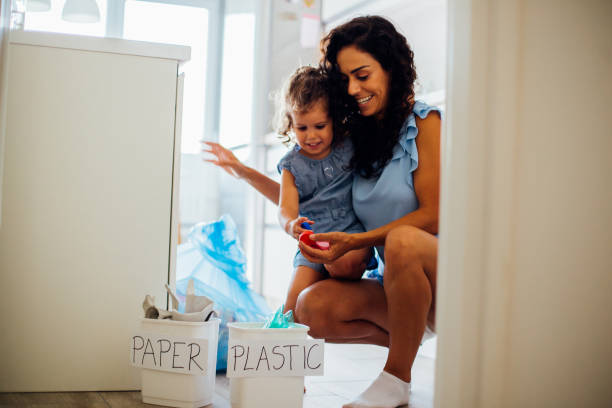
(339, 244)
(224, 159)
(294, 227)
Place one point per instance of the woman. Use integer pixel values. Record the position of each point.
(395, 196)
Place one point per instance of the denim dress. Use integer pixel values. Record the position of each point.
(324, 188)
(380, 200)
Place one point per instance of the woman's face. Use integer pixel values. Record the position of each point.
(368, 82)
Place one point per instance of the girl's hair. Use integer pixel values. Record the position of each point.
(373, 139)
(304, 88)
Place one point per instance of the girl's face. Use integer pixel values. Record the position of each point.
(368, 82)
(313, 131)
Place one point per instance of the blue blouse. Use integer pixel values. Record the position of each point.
(380, 200)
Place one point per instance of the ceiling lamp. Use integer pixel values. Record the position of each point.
(81, 11)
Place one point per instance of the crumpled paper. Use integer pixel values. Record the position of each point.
(197, 308)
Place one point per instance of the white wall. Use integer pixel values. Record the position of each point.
(562, 309)
(525, 278)
(286, 50)
(5, 14)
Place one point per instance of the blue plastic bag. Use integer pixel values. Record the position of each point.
(375, 268)
(280, 320)
(215, 261)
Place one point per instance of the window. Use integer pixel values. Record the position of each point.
(190, 23)
(279, 248)
(236, 107)
(236, 110)
(237, 80)
(184, 25)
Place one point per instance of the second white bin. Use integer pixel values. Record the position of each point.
(266, 392)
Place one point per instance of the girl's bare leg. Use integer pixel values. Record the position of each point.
(350, 265)
(303, 277)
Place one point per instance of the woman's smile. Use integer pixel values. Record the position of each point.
(368, 82)
(363, 101)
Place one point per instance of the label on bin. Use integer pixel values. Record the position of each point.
(283, 358)
(169, 353)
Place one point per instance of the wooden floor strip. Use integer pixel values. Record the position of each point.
(349, 369)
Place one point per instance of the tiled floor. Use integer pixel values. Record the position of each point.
(349, 369)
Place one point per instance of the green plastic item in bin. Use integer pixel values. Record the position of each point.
(279, 320)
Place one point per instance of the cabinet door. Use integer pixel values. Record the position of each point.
(86, 213)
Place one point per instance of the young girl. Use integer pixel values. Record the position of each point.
(315, 179)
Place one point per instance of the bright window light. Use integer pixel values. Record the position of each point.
(237, 80)
(183, 25)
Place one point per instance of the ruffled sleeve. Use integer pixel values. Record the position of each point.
(293, 162)
(409, 132)
(286, 162)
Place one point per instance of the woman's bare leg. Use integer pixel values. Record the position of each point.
(342, 311)
(410, 282)
(396, 315)
(356, 311)
(410, 287)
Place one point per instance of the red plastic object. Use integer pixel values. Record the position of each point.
(305, 238)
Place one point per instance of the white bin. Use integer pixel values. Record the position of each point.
(177, 389)
(266, 392)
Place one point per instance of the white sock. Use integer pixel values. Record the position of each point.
(387, 391)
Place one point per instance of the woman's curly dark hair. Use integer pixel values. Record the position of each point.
(373, 139)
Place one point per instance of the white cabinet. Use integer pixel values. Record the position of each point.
(90, 168)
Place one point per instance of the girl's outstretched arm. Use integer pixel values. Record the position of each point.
(225, 159)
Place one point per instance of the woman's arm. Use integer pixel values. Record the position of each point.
(289, 206)
(234, 167)
(427, 186)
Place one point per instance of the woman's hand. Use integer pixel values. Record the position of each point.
(294, 227)
(224, 159)
(339, 244)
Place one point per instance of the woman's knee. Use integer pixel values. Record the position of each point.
(405, 252)
(312, 309)
(403, 242)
